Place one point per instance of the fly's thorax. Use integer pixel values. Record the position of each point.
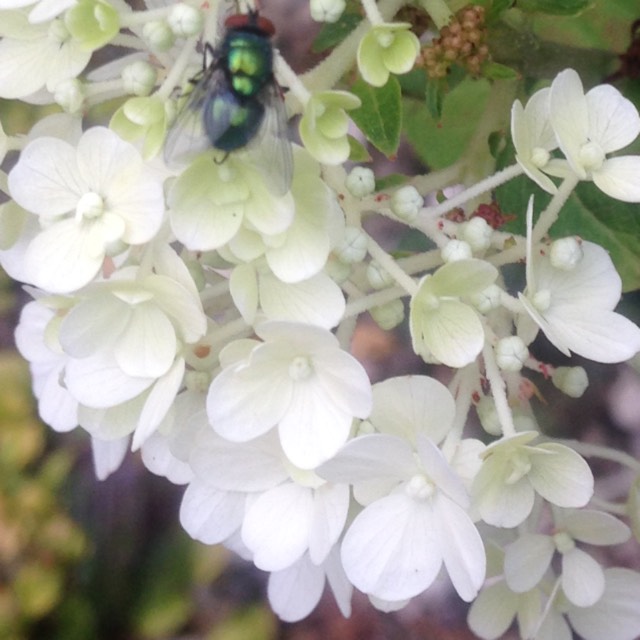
(249, 61)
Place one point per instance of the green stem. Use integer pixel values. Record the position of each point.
(439, 12)
(498, 391)
(391, 267)
(550, 214)
(598, 451)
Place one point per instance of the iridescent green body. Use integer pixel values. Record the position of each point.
(232, 116)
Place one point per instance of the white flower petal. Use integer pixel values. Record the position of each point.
(331, 504)
(158, 458)
(277, 524)
(147, 347)
(618, 178)
(313, 428)
(242, 407)
(493, 611)
(582, 578)
(108, 455)
(62, 258)
(46, 179)
(209, 515)
(526, 561)
(159, 402)
(561, 476)
(462, 547)
(595, 527)
(317, 301)
(390, 550)
(614, 122)
(56, 406)
(294, 592)
(370, 457)
(453, 333)
(410, 405)
(98, 382)
(243, 286)
(616, 616)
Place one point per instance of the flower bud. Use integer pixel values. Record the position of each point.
(158, 35)
(406, 203)
(477, 232)
(511, 353)
(488, 299)
(353, 247)
(388, 316)
(361, 182)
(327, 10)
(565, 253)
(572, 381)
(378, 277)
(139, 78)
(337, 270)
(70, 95)
(456, 250)
(185, 21)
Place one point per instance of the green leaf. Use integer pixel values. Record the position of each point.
(497, 71)
(380, 116)
(357, 151)
(434, 97)
(441, 141)
(391, 181)
(555, 7)
(496, 9)
(332, 34)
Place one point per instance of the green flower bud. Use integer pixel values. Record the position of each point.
(327, 10)
(353, 247)
(511, 353)
(572, 381)
(143, 117)
(70, 95)
(361, 182)
(477, 232)
(378, 277)
(388, 316)
(406, 203)
(92, 23)
(456, 250)
(139, 78)
(185, 21)
(158, 35)
(565, 253)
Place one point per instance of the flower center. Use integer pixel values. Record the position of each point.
(542, 299)
(563, 542)
(90, 206)
(300, 368)
(539, 157)
(591, 156)
(520, 467)
(419, 487)
(385, 39)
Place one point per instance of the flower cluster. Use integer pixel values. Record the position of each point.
(202, 311)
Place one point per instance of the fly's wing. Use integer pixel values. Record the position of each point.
(188, 136)
(270, 151)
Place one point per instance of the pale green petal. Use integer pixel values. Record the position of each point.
(618, 178)
(582, 578)
(526, 561)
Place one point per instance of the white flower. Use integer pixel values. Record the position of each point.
(33, 56)
(282, 512)
(533, 137)
(416, 516)
(590, 126)
(91, 200)
(298, 380)
(442, 324)
(582, 578)
(513, 471)
(574, 307)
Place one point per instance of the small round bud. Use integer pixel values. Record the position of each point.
(337, 270)
(488, 299)
(185, 21)
(378, 277)
(361, 182)
(572, 381)
(477, 232)
(158, 35)
(565, 253)
(70, 95)
(327, 10)
(388, 316)
(139, 78)
(511, 353)
(486, 409)
(353, 247)
(456, 250)
(406, 203)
